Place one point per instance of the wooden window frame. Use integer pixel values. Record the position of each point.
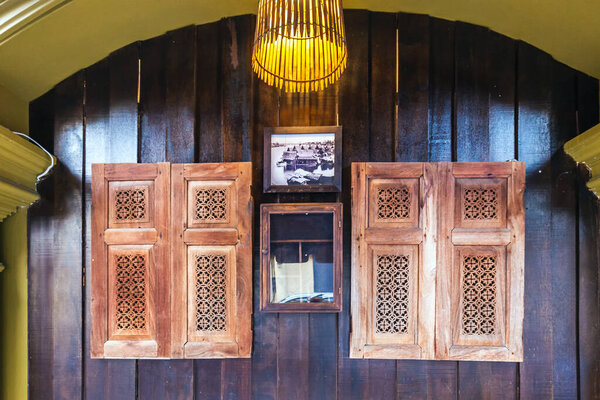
(443, 234)
(266, 210)
(161, 230)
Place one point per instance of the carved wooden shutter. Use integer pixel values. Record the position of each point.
(130, 261)
(437, 262)
(212, 260)
(393, 268)
(480, 273)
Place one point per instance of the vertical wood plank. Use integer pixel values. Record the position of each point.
(172, 378)
(39, 277)
(66, 261)
(413, 87)
(292, 357)
(588, 260)
(502, 97)
(441, 89)
(382, 373)
(104, 379)
(181, 94)
(564, 234)
(207, 378)
(472, 100)
(236, 77)
(123, 115)
(383, 86)
(208, 91)
(153, 126)
(353, 375)
(264, 357)
(484, 74)
(322, 328)
(237, 111)
(535, 104)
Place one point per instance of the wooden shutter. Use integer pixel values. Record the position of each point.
(212, 260)
(393, 253)
(130, 261)
(437, 260)
(480, 273)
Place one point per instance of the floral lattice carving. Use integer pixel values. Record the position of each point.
(393, 203)
(131, 204)
(211, 205)
(131, 305)
(480, 203)
(211, 287)
(479, 295)
(392, 293)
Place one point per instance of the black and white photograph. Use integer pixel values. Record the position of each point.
(302, 159)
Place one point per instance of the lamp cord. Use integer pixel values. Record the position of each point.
(52, 162)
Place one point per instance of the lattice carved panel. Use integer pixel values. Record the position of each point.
(131, 293)
(480, 203)
(131, 204)
(211, 203)
(392, 288)
(393, 202)
(479, 294)
(210, 298)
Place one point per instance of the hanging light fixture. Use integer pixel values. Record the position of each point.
(299, 45)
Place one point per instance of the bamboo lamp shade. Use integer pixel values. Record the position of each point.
(299, 45)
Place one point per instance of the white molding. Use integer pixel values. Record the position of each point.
(16, 15)
(20, 164)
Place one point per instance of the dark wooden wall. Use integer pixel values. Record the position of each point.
(464, 93)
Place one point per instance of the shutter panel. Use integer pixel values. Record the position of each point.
(393, 252)
(438, 260)
(130, 261)
(211, 260)
(480, 273)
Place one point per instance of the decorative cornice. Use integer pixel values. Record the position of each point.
(16, 15)
(20, 164)
(585, 148)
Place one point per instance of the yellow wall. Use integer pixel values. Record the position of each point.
(13, 307)
(14, 114)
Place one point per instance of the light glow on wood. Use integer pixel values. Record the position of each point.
(299, 45)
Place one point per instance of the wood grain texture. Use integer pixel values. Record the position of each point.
(103, 379)
(230, 114)
(39, 277)
(411, 142)
(564, 234)
(441, 90)
(352, 381)
(485, 131)
(383, 86)
(535, 104)
(163, 379)
(180, 95)
(588, 257)
(65, 234)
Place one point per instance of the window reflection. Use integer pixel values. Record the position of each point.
(301, 263)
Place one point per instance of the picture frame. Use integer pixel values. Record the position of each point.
(301, 257)
(302, 159)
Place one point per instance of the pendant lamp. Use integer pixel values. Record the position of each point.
(299, 45)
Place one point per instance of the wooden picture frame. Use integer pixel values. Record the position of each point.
(315, 166)
(300, 210)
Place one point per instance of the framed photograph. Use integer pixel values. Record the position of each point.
(301, 260)
(303, 159)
